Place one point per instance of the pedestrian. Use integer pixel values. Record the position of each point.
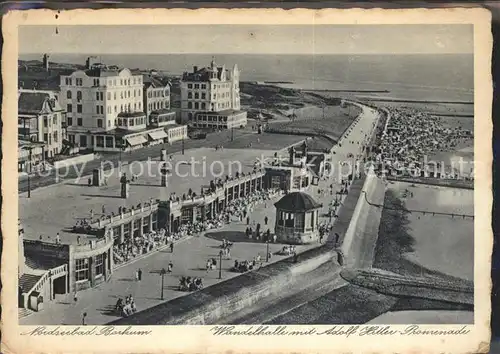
(248, 220)
(40, 237)
(139, 274)
(84, 315)
(170, 267)
(321, 237)
(172, 247)
(274, 238)
(266, 219)
(58, 238)
(103, 210)
(78, 239)
(89, 181)
(75, 297)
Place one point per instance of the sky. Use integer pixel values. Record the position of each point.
(254, 39)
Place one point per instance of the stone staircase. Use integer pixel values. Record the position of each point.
(27, 281)
(22, 312)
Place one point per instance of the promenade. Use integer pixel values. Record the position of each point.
(44, 213)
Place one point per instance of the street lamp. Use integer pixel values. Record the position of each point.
(84, 315)
(183, 144)
(162, 273)
(220, 264)
(30, 171)
(232, 133)
(267, 251)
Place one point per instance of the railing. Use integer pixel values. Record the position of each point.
(94, 244)
(99, 223)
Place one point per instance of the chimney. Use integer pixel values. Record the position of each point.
(195, 68)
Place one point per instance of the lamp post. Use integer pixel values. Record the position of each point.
(183, 144)
(267, 251)
(232, 133)
(30, 171)
(84, 315)
(220, 264)
(162, 273)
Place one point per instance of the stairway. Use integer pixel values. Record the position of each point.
(22, 312)
(27, 281)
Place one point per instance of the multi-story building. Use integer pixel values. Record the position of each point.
(106, 109)
(40, 117)
(156, 96)
(210, 98)
(94, 99)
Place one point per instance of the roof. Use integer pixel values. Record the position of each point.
(162, 111)
(100, 72)
(150, 81)
(36, 102)
(131, 114)
(297, 201)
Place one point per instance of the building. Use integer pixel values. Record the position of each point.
(297, 217)
(210, 98)
(156, 96)
(40, 117)
(30, 155)
(292, 174)
(94, 100)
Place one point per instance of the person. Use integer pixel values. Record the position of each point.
(89, 181)
(274, 238)
(75, 297)
(58, 238)
(103, 210)
(78, 239)
(139, 274)
(266, 219)
(268, 235)
(209, 265)
(172, 247)
(169, 267)
(248, 219)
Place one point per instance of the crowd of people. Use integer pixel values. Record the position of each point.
(126, 307)
(411, 135)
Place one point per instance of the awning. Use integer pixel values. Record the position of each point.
(157, 135)
(136, 140)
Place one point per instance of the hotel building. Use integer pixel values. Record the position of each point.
(210, 98)
(39, 121)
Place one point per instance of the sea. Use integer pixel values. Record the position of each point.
(416, 76)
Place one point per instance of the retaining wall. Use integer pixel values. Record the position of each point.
(359, 241)
(74, 161)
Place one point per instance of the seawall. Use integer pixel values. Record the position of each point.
(358, 246)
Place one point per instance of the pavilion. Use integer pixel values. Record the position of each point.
(297, 218)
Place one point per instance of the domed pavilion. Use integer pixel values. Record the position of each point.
(297, 218)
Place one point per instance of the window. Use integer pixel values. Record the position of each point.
(80, 122)
(190, 105)
(82, 269)
(312, 219)
(79, 95)
(97, 96)
(70, 120)
(299, 221)
(54, 120)
(114, 95)
(45, 137)
(190, 95)
(100, 141)
(69, 108)
(196, 96)
(196, 86)
(126, 231)
(101, 95)
(56, 137)
(99, 123)
(132, 123)
(196, 105)
(203, 105)
(102, 109)
(68, 94)
(99, 264)
(203, 86)
(109, 141)
(97, 109)
(155, 220)
(116, 109)
(203, 96)
(190, 85)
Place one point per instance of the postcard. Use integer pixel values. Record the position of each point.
(262, 181)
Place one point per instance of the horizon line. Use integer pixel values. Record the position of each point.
(215, 54)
